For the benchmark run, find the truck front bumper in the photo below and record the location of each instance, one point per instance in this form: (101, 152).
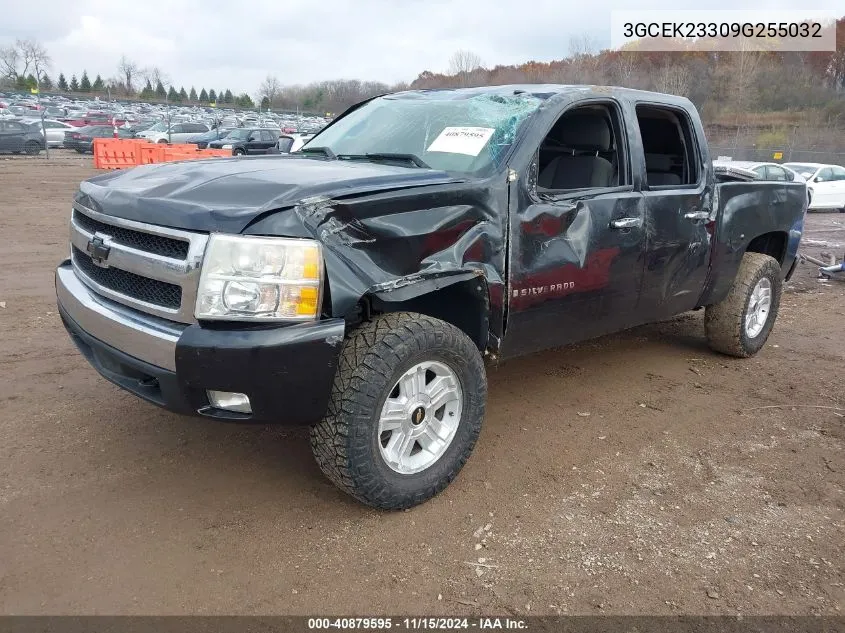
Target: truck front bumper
(287, 372)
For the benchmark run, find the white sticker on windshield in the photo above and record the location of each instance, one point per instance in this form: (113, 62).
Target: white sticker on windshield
(462, 140)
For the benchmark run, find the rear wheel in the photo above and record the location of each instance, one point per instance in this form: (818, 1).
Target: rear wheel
(405, 412)
(740, 324)
(32, 148)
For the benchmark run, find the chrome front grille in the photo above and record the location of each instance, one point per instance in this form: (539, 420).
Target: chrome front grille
(157, 244)
(151, 268)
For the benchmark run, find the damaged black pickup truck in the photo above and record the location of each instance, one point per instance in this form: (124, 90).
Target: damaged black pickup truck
(359, 285)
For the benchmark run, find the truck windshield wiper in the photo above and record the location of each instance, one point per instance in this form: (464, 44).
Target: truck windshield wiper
(325, 151)
(379, 156)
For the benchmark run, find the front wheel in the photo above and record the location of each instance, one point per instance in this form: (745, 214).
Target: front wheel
(740, 324)
(238, 152)
(405, 411)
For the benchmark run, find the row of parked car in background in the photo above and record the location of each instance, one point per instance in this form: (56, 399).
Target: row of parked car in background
(29, 124)
(825, 183)
(74, 124)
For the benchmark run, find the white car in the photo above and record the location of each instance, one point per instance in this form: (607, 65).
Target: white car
(763, 171)
(826, 184)
(55, 130)
(179, 132)
(290, 143)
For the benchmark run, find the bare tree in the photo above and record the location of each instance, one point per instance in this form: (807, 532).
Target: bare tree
(127, 70)
(34, 57)
(582, 45)
(270, 89)
(462, 63)
(624, 67)
(674, 79)
(10, 59)
(154, 75)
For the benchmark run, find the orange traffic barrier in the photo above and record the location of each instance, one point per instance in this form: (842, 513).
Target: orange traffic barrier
(122, 153)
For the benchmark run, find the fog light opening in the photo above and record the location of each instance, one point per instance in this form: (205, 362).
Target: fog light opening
(229, 401)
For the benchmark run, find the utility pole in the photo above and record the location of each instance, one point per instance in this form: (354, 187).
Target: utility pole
(167, 109)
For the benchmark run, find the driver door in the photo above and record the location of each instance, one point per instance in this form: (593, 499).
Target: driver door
(577, 235)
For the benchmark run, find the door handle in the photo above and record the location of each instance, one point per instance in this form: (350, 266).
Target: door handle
(697, 215)
(626, 223)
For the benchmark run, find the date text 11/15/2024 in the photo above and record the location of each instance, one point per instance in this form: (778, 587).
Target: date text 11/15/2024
(416, 624)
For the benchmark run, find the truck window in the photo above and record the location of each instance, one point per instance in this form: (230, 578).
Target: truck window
(669, 146)
(583, 150)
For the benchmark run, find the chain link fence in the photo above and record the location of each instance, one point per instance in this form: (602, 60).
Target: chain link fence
(779, 144)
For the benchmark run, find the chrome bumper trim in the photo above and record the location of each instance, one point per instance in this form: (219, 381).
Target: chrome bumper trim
(142, 336)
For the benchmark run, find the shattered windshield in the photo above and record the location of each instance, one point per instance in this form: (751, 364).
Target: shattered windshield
(469, 135)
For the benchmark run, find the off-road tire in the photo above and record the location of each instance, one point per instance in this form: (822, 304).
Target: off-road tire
(374, 356)
(724, 322)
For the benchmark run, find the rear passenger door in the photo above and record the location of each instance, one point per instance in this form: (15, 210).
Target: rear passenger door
(679, 204)
(253, 143)
(577, 233)
(268, 140)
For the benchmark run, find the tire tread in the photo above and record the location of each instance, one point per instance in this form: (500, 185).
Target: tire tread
(373, 351)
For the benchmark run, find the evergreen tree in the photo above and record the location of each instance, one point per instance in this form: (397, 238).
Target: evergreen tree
(212, 96)
(62, 83)
(193, 96)
(228, 97)
(244, 101)
(84, 83)
(183, 96)
(74, 84)
(147, 93)
(98, 85)
(172, 95)
(203, 96)
(161, 93)
(265, 103)
(31, 82)
(46, 82)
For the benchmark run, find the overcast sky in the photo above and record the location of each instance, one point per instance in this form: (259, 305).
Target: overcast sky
(216, 44)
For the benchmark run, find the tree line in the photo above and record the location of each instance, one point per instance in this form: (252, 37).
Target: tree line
(24, 66)
(725, 86)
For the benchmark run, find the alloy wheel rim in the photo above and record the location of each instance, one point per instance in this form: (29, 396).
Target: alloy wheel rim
(759, 306)
(420, 417)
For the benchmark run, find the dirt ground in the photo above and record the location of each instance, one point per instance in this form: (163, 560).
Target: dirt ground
(638, 473)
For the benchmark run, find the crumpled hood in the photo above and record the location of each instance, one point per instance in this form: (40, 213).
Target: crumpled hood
(226, 194)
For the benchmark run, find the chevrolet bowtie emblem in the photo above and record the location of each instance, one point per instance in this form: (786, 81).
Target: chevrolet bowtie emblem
(98, 250)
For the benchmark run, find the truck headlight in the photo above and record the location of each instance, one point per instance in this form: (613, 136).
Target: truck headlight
(260, 279)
